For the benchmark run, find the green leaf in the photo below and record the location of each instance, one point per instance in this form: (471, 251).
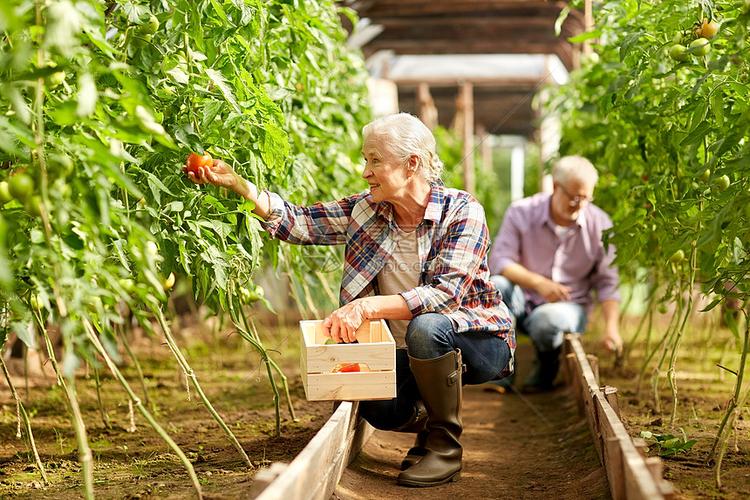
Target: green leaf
(25, 333)
(585, 36)
(218, 80)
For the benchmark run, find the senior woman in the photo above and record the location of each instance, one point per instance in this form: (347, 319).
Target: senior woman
(416, 256)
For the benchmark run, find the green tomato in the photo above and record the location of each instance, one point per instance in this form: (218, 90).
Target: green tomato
(34, 206)
(678, 52)
(722, 183)
(677, 257)
(700, 46)
(21, 186)
(150, 26)
(55, 79)
(662, 309)
(61, 164)
(127, 284)
(706, 175)
(5, 195)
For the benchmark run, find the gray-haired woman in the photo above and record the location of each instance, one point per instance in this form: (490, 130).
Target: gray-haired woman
(416, 256)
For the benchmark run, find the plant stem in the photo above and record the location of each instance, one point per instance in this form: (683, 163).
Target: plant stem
(190, 374)
(26, 421)
(84, 452)
(137, 364)
(737, 401)
(284, 379)
(139, 405)
(646, 317)
(102, 410)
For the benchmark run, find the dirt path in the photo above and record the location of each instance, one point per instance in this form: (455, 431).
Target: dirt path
(514, 447)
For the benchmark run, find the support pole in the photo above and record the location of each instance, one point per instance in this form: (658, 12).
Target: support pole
(517, 167)
(428, 112)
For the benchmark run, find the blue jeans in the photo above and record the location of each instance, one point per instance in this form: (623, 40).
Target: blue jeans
(546, 323)
(430, 336)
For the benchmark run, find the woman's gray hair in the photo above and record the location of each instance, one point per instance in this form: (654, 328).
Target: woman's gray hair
(405, 135)
(579, 168)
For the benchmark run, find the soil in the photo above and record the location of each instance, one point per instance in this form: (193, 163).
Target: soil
(515, 446)
(139, 464)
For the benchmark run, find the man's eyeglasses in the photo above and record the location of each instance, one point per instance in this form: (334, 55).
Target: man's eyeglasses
(575, 200)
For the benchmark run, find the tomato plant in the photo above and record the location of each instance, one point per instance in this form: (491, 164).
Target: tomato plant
(687, 126)
(103, 103)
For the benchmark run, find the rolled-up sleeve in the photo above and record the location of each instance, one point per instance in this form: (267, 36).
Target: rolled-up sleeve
(506, 249)
(461, 253)
(318, 224)
(606, 279)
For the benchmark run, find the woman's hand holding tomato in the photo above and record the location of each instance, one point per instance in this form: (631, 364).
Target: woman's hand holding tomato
(342, 324)
(202, 169)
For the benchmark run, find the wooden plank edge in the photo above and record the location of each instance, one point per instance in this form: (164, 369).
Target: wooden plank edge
(634, 475)
(316, 470)
(630, 474)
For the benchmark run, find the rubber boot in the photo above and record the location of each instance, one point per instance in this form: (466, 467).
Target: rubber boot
(500, 386)
(415, 424)
(439, 382)
(542, 379)
(416, 452)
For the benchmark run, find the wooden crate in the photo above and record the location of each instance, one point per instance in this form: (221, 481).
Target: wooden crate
(375, 348)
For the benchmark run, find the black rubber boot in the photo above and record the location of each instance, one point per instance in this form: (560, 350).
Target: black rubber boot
(416, 452)
(542, 379)
(415, 424)
(501, 386)
(439, 382)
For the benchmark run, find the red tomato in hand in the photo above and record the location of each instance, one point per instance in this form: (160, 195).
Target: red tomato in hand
(195, 161)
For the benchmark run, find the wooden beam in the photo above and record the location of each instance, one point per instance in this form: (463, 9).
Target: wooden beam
(462, 46)
(485, 149)
(453, 7)
(588, 24)
(427, 111)
(476, 24)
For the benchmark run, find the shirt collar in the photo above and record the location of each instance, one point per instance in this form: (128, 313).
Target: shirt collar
(435, 206)
(433, 212)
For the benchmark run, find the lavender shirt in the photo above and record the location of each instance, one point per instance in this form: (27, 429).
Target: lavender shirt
(578, 260)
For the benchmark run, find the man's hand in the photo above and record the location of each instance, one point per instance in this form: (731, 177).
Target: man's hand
(612, 340)
(552, 291)
(342, 324)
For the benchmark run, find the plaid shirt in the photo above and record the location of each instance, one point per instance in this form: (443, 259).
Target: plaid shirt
(453, 241)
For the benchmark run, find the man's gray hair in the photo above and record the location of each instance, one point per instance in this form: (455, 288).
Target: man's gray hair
(405, 135)
(578, 168)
